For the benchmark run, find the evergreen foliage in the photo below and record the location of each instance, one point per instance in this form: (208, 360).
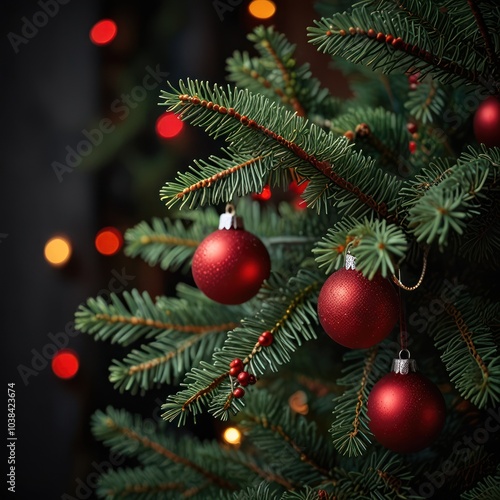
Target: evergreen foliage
(429, 217)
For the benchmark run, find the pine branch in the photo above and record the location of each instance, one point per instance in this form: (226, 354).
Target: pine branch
(197, 463)
(165, 360)
(489, 487)
(427, 101)
(468, 351)
(350, 432)
(447, 202)
(376, 245)
(239, 116)
(380, 40)
(483, 29)
(377, 132)
(287, 439)
(140, 483)
(384, 476)
(287, 312)
(277, 47)
(135, 316)
(170, 244)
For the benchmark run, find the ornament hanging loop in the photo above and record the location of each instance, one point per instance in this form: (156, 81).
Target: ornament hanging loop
(398, 282)
(350, 260)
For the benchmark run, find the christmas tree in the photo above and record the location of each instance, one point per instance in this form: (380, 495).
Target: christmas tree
(384, 246)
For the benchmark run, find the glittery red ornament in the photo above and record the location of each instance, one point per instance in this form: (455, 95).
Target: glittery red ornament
(230, 264)
(357, 312)
(406, 410)
(487, 122)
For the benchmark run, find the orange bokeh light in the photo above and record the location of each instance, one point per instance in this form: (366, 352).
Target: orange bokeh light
(103, 32)
(108, 241)
(262, 9)
(65, 364)
(168, 125)
(57, 251)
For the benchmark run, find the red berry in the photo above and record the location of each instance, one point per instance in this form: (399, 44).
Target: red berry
(235, 370)
(413, 146)
(238, 392)
(414, 78)
(412, 127)
(244, 378)
(266, 339)
(236, 362)
(251, 379)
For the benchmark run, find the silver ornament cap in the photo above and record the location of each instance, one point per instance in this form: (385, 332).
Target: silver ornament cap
(229, 220)
(403, 366)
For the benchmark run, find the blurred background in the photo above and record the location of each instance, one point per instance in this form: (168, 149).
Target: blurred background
(85, 150)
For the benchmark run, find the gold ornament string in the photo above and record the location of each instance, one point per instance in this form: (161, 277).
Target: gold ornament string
(398, 282)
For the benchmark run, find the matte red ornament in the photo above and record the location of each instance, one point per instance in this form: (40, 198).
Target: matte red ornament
(487, 122)
(406, 411)
(357, 312)
(230, 264)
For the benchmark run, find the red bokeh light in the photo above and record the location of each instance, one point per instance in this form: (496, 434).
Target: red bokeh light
(103, 32)
(108, 241)
(264, 195)
(168, 125)
(65, 364)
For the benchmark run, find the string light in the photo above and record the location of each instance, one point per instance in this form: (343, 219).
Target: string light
(262, 9)
(65, 364)
(108, 241)
(168, 125)
(232, 435)
(57, 251)
(103, 32)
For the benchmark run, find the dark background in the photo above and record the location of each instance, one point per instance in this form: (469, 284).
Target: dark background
(52, 88)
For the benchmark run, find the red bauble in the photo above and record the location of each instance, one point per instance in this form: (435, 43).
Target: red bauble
(230, 265)
(487, 122)
(357, 312)
(406, 412)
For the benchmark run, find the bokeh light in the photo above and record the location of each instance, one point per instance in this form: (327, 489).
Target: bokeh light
(264, 195)
(108, 241)
(57, 251)
(262, 9)
(168, 125)
(103, 32)
(232, 435)
(65, 364)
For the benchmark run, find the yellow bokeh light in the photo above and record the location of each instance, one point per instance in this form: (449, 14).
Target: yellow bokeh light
(232, 435)
(57, 251)
(262, 9)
